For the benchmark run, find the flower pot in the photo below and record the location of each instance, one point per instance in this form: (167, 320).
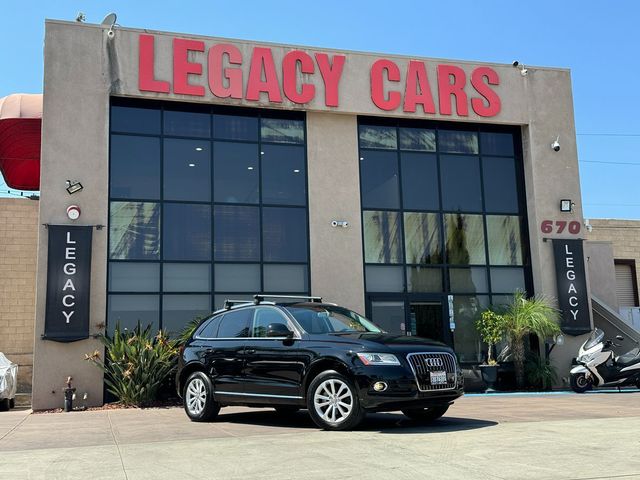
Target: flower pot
(489, 376)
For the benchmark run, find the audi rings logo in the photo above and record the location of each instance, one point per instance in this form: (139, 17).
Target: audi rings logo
(434, 362)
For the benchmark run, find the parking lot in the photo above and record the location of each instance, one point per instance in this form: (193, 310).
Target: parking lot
(502, 436)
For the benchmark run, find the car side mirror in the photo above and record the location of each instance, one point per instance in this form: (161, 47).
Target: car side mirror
(279, 330)
(619, 337)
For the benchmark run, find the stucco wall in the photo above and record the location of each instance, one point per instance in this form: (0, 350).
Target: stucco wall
(18, 248)
(83, 68)
(624, 236)
(601, 270)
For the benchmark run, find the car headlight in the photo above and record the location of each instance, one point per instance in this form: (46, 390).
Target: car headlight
(378, 359)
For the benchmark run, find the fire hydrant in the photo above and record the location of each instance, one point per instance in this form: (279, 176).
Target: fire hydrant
(69, 395)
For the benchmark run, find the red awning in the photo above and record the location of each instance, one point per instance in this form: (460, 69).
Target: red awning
(20, 139)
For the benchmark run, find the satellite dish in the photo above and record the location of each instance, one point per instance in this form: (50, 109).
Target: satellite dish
(109, 20)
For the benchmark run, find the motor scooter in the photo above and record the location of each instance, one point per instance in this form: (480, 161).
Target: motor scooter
(599, 366)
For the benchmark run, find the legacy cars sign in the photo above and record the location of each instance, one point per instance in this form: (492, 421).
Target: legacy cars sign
(390, 88)
(572, 286)
(68, 274)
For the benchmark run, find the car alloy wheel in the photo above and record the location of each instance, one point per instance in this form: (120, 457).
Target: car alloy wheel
(333, 402)
(199, 403)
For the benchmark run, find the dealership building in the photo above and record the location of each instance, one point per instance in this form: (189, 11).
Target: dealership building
(178, 170)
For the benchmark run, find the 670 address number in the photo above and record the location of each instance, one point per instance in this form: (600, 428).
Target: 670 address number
(548, 226)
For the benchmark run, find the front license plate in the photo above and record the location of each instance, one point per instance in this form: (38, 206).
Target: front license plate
(438, 378)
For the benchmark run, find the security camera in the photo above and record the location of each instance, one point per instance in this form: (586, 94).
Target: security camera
(515, 63)
(334, 223)
(556, 145)
(345, 224)
(111, 33)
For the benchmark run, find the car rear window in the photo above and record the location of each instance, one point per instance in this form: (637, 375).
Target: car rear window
(210, 328)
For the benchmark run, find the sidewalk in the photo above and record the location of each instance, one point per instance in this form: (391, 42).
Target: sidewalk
(551, 436)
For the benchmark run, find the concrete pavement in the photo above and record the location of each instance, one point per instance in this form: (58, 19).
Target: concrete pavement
(487, 437)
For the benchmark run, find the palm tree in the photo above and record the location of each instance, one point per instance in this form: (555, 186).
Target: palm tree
(525, 316)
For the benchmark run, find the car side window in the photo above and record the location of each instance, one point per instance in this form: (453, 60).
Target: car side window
(235, 324)
(263, 317)
(210, 328)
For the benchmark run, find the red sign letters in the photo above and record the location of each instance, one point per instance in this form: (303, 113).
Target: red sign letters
(388, 91)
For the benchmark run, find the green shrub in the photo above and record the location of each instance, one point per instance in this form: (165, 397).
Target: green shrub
(490, 326)
(540, 372)
(136, 363)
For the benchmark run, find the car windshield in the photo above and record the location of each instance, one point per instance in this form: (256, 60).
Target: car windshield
(596, 337)
(330, 319)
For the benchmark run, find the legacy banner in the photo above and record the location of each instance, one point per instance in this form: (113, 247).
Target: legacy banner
(572, 286)
(68, 276)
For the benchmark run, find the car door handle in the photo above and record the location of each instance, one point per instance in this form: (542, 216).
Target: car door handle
(250, 351)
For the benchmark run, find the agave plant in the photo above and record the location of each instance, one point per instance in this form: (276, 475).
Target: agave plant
(136, 363)
(526, 316)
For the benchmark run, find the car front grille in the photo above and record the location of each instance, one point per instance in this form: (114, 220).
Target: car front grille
(423, 364)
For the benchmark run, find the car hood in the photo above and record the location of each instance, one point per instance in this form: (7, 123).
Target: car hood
(396, 343)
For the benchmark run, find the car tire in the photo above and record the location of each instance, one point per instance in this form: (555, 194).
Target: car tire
(426, 414)
(333, 402)
(199, 403)
(12, 403)
(4, 405)
(286, 410)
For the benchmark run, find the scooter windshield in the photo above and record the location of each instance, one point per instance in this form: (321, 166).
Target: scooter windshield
(596, 337)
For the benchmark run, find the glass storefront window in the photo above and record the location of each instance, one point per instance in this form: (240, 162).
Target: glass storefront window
(186, 277)
(460, 183)
(283, 175)
(127, 311)
(379, 179)
(468, 280)
(236, 172)
(187, 170)
(504, 240)
(279, 130)
(464, 239)
(467, 341)
(424, 280)
(372, 136)
(187, 124)
(507, 279)
(384, 279)
(236, 233)
(284, 234)
(206, 203)
(493, 143)
(135, 167)
(382, 237)
(422, 238)
(420, 189)
(418, 139)
(186, 232)
(500, 185)
(453, 141)
(134, 231)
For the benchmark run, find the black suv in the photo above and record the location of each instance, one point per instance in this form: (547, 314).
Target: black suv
(308, 354)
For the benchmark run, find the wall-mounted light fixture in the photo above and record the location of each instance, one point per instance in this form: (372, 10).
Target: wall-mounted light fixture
(73, 187)
(566, 205)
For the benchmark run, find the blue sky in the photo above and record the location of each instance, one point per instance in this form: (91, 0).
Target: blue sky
(598, 44)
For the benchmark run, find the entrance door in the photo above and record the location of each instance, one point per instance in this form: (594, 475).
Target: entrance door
(422, 316)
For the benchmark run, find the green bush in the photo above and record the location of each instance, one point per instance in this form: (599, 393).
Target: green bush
(136, 363)
(540, 372)
(490, 326)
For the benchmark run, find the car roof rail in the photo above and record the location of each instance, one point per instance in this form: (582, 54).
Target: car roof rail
(228, 303)
(259, 298)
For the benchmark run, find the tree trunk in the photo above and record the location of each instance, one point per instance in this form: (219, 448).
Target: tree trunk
(518, 360)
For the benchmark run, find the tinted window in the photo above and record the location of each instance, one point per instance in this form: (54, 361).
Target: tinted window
(451, 141)
(236, 172)
(417, 139)
(372, 136)
(420, 181)
(284, 233)
(283, 175)
(282, 130)
(134, 277)
(422, 242)
(379, 179)
(237, 233)
(179, 310)
(187, 170)
(237, 277)
(496, 143)
(126, 311)
(263, 318)
(135, 167)
(134, 231)
(186, 232)
(500, 184)
(382, 237)
(460, 176)
(209, 328)
(135, 120)
(187, 124)
(186, 277)
(235, 323)
(464, 239)
(235, 127)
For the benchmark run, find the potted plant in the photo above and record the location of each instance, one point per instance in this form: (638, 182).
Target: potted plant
(490, 326)
(524, 317)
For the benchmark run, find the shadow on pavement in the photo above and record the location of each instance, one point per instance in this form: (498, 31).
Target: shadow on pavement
(382, 422)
